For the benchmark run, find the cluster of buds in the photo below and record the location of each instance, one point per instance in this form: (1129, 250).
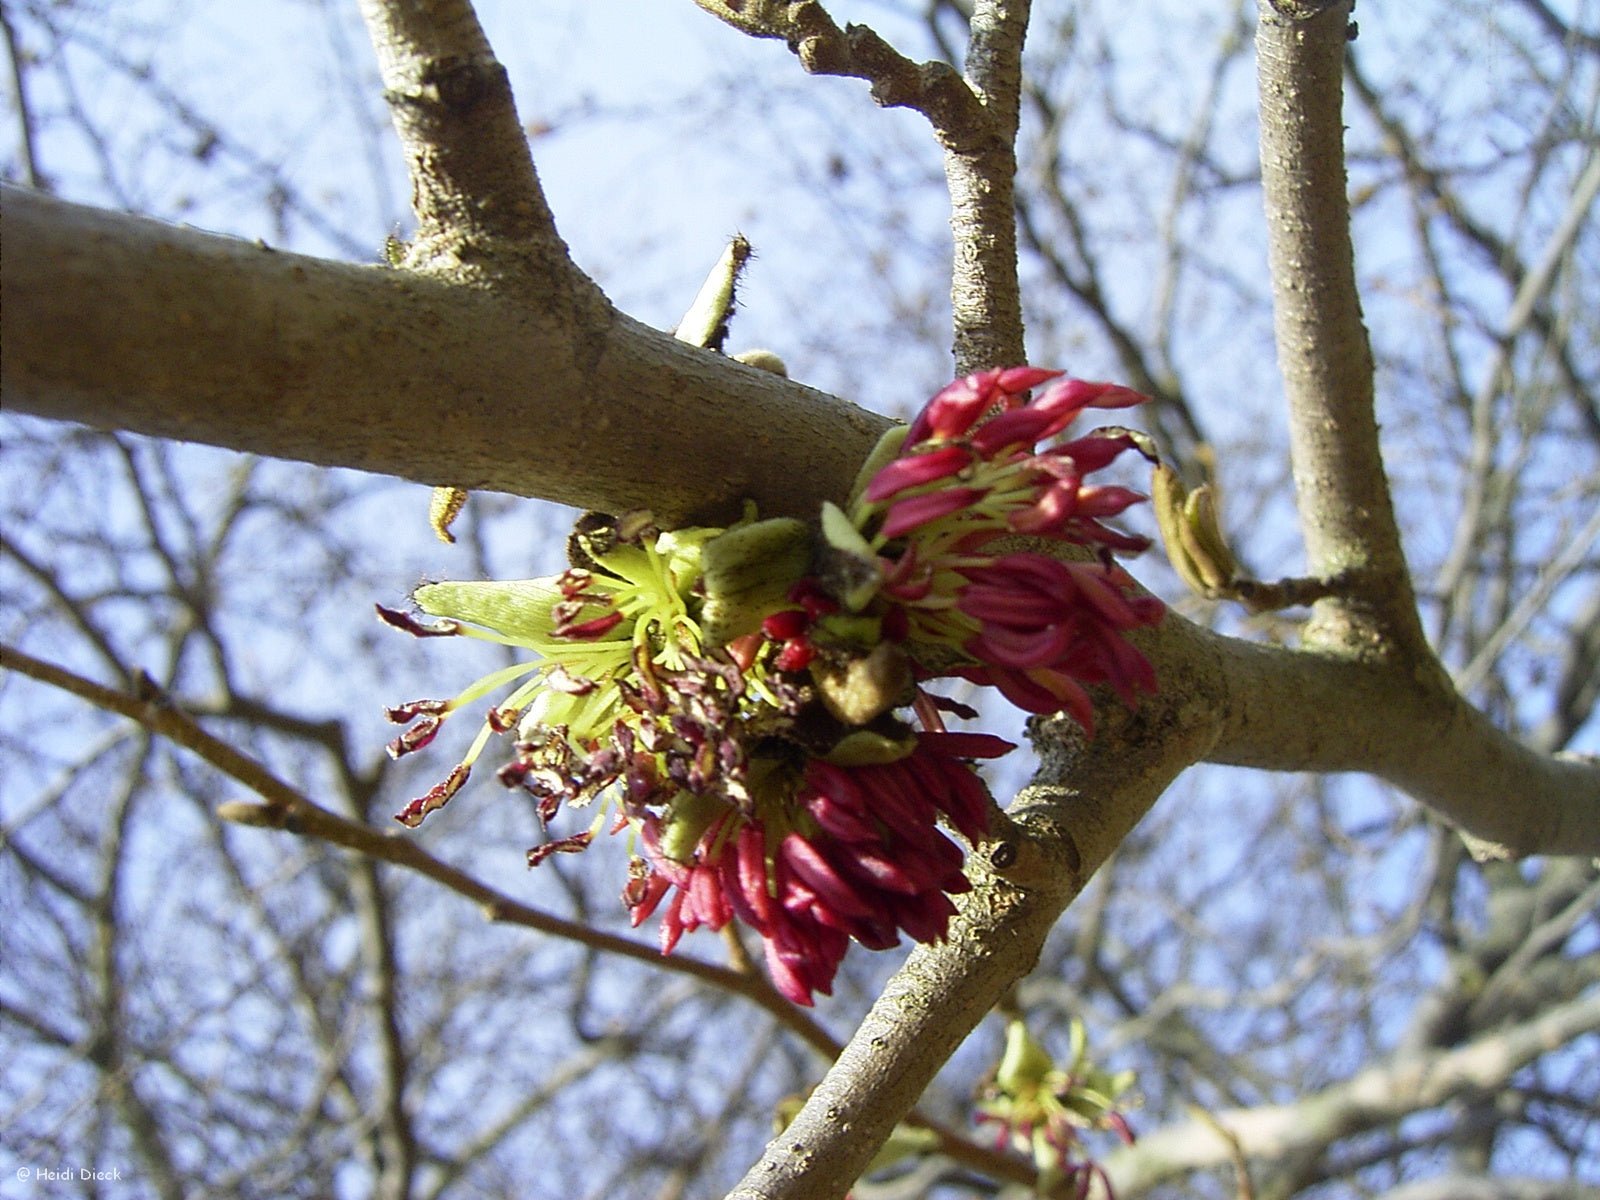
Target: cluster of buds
(730, 696)
(1042, 1110)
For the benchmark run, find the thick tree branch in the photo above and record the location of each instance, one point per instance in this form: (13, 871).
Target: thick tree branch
(121, 322)
(1279, 706)
(1374, 1097)
(1345, 507)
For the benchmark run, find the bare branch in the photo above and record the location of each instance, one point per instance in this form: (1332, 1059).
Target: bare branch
(1086, 801)
(26, 126)
(472, 175)
(1345, 507)
(120, 322)
(1425, 739)
(1374, 1097)
(932, 88)
(1501, 1187)
(975, 120)
(289, 810)
(1571, 35)
(985, 295)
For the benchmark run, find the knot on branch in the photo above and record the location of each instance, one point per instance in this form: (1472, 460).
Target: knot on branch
(1035, 854)
(461, 84)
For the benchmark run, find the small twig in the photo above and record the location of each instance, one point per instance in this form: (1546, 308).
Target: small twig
(27, 125)
(1260, 595)
(935, 89)
(1241, 1167)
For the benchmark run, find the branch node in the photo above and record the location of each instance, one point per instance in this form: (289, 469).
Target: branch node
(257, 815)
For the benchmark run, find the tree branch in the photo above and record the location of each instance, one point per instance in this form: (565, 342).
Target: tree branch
(985, 294)
(1374, 1097)
(287, 809)
(1086, 800)
(1345, 507)
(1501, 1187)
(933, 89)
(1279, 706)
(473, 183)
(122, 322)
(975, 120)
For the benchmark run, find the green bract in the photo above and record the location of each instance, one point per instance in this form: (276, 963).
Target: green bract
(517, 609)
(747, 574)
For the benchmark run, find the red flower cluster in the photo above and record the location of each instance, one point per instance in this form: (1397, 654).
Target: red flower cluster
(862, 857)
(1035, 627)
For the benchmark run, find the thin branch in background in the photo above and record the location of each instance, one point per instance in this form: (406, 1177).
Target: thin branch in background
(289, 810)
(1370, 1099)
(1567, 34)
(1526, 303)
(1533, 602)
(27, 131)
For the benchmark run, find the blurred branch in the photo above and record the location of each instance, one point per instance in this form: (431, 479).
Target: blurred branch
(1345, 506)
(1437, 199)
(1502, 1187)
(1533, 602)
(74, 609)
(287, 809)
(1568, 35)
(27, 134)
(1372, 1098)
(1525, 308)
(394, 1132)
(1575, 667)
(272, 174)
(552, 1082)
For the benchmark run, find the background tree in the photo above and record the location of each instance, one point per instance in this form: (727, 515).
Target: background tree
(1321, 989)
